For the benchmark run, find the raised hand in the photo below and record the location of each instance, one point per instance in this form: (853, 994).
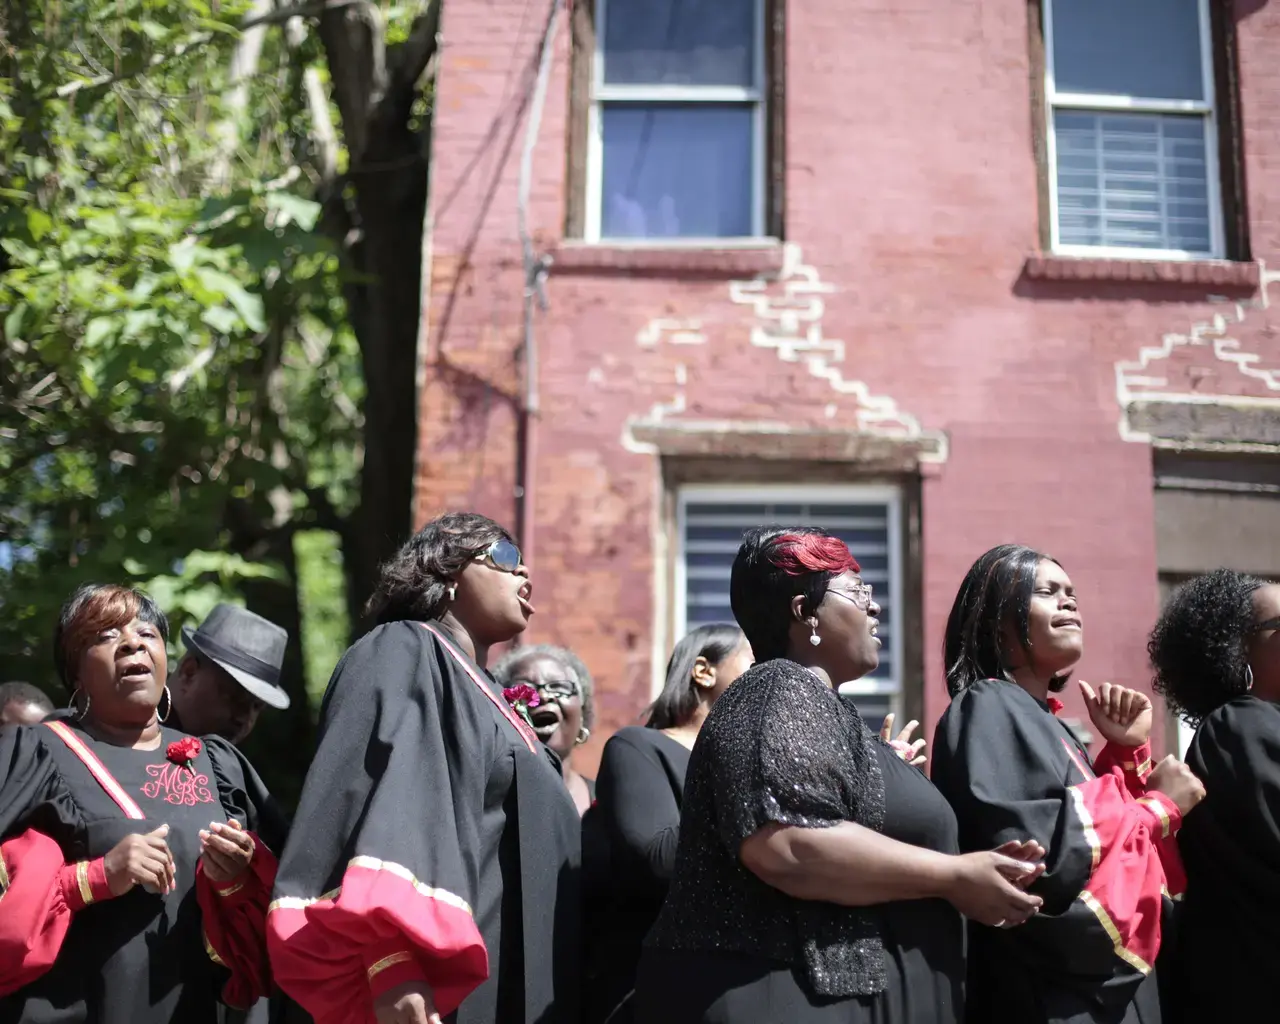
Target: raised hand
(912, 753)
(1123, 716)
(225, 850)
(142, 860)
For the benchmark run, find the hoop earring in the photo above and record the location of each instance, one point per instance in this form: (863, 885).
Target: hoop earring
(584, 734)
(168, 708)
(814, 638)
(87, 701)
(1248, 677)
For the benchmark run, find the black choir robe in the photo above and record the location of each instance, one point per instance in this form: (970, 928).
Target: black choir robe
(70, 952)
(1229, 933)
(1011, 770)
(435, 841)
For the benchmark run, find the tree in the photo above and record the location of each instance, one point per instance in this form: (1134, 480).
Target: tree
(200, 279)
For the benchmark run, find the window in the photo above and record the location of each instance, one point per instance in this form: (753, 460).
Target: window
(1132, 133)
(711, 521)
(676, 133)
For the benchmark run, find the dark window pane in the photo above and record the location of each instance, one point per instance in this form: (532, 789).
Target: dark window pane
(679, 42)
(1147, 48)
(677, 171)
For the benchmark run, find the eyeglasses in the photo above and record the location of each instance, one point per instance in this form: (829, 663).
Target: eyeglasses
(860, 595)
(502, 555)
(557, 688)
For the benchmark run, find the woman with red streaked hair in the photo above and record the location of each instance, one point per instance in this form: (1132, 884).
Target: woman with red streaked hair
(170, 834)
(816, 876)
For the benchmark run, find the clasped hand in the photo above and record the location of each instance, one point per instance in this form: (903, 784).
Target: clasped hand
(225, 850)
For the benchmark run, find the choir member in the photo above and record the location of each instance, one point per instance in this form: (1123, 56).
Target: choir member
(565, 710)
(1216, 653)
(816, 875)
(629, 837)
(1011, 768)
(135, 861)
(431, 869)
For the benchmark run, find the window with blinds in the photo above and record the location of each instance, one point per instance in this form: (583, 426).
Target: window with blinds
(1132, 137)
(711, 524)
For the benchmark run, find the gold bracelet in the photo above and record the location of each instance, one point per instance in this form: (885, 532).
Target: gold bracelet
(82, 879)
(389, 961)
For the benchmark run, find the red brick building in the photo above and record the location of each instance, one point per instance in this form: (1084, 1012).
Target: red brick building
(939, 275)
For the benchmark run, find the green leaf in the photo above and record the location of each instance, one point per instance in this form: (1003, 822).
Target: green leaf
(249, 306)
(97, 329)
(290, 208)
(221, 319)
(39, 223)
(13, 322)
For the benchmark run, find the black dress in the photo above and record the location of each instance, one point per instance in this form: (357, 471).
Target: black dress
(435, 841)
(1229, 933)
(780, 746)
(637, 817)
(1012, 770)
(139, 958)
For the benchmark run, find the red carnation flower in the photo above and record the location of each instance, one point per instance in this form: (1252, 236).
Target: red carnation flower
(182, 752)
(522, 697)
(522, 693)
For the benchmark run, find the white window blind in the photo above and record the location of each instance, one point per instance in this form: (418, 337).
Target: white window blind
(677, 120)
(1132, 137)
(712, 521)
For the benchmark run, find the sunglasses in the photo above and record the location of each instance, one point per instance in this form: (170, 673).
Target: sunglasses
(1261, 627)
(502, 555)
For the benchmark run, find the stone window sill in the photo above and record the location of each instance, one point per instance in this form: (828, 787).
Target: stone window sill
(1223, 274)
(710, 260)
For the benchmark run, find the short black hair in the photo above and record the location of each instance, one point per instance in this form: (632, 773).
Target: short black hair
(760, 591)
(24, 693)
(91, 609)
(414, 582)
(679, 696)
(505, 669)
(996, 590)
(1199, 645)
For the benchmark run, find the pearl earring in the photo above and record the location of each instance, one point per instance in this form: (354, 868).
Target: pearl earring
(814, 638)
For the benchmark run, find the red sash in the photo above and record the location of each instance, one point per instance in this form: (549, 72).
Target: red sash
(98, 770)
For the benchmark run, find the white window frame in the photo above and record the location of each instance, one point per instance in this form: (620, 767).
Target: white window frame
(1055, 101)
(692, 94)
(772, 494)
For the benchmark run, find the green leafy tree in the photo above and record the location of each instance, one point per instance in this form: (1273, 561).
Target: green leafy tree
(203, 271)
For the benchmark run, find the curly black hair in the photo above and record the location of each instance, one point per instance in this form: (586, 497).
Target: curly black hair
(1199, 646)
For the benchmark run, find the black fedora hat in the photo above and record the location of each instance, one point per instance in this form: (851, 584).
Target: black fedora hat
(248, 647)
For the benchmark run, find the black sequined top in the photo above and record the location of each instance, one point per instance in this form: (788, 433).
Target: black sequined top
(779, 746)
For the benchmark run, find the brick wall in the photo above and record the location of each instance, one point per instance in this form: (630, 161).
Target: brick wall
(911, 196)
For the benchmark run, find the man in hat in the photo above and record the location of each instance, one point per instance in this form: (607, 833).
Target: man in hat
(230, 672)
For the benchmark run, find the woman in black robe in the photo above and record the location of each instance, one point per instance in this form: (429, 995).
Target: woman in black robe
(136, 863)
(1009, 767)
(1216, 653)
(431, 869)
(816, 875)
(630, 834)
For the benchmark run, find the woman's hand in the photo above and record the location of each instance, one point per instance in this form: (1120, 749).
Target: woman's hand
(411, 1003)
(1178, 782)
(1123, 716)
(225, 851)
(981, 888)
(912, 753)
(142, 860)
